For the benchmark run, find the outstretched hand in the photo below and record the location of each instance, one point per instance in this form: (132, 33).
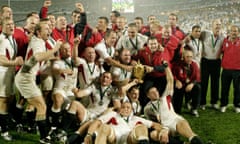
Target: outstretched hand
(80, 7)
(47, 3)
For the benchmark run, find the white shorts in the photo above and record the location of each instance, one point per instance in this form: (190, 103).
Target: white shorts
(88, 116)
(64, 93)
(6, 83)
(172, 123)
(26, 84)
(46, 83)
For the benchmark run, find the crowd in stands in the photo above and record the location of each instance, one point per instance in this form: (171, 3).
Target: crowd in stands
(118, 82)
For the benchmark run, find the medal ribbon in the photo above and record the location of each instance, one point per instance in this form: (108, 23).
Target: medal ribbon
(214, 43)
(91, 70)
(69, 64)
(102, 93)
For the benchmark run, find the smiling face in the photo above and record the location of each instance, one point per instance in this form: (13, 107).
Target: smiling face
(65, 50)
(31, 23)
(196, 32)
(153, 44)
(125, 56)
(61, 23)
(43, 31)
(90, 54)
(216, 26)
(166, 31)
(234, 31)
(132, 31)
(102, 24)
(106, 79)
(121, 22)
(133, 94)
(8, 26)
(126, 109)
(110, 38)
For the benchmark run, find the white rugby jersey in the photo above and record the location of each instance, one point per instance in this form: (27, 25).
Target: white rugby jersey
(123, 125)
(103, 51)
(87, 72)
(98, 104)
(65, 81)
(36, 45)
(8, 49)
(120, 73)
(161, 109)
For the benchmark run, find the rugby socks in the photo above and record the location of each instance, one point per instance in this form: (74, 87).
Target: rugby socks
(4, 121)
(42, 128)
(195, 140)
(67, 120)
(18, 114)
(143, 141)
(31, 118)
(74, 138)
(55, 117)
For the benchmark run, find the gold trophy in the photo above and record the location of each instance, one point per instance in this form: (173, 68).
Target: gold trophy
(138, 72)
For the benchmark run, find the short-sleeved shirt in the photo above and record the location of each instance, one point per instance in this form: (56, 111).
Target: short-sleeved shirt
(35, 46)
(26, 77)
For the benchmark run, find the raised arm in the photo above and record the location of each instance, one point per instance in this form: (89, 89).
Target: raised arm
(75, 49)
(125, 88)
(170, 80)
(44, 10)
(79, 27)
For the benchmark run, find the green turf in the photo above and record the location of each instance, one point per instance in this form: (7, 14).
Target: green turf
(212, 126)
